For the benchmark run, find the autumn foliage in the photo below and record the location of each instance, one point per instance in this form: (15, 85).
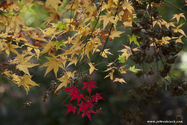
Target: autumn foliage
(91, 25)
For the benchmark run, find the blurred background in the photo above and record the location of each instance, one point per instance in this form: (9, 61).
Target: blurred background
(116, 96)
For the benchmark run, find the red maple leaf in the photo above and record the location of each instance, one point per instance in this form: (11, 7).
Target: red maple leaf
(87, 112)
(84, 106)
(73, 90)
(70, 108)
(75, 93)
(78, 97)
(96, 97)
(88, 85)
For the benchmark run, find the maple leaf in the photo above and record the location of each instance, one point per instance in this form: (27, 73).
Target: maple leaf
(177, 16)
(165, 40)
(110, 69)
(110, 74)
(64, 79)
(92, 68)
(134, 39)
(122, 70)
(88, 85)
(108, 5)
(163, 22)
(78, 97)
(73, 90)
(53, 3)
(87, 112)
(75, 93)
(127, 5)
(85, 106)
(121, 80)
(179, 39)
(132, 69)
(58, 44)
(106, 19)
(127, 51)
(177, 29)
(126, 15)
(115, 33)
(96, 97)
(10, 47)
(104, 53)
(54, 64)
(24, 65)
(70, 108)
(25, 81)
(121, 59)
(74, 61)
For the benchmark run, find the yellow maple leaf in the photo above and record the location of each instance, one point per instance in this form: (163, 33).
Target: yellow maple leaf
(106, 19)
(110, 68)
(53, 3)
(110, 74)
(132, 69)
(64, 79)
(163, 22)
(122, 70)
(92, 68)
(104, 53)
(8, 73)
(115, 33)
(10, 47)
(108, 5)
(31, 47)
(54, 64)
(71, 74)
(165, 39)
(179, 39)
(74, 61)
(127, 5)
(121, 80)
(48, 32)
(177, 29)
(25, 81)
(177, 16)
(126, 52)
(48, 47)
(24, 65)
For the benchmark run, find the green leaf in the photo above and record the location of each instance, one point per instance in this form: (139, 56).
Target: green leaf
(62, 25)
(132, 69)
(58, 44)
(134, 39)
(121, 59)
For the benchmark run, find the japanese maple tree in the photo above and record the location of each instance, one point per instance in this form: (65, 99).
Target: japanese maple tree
(89, 28)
